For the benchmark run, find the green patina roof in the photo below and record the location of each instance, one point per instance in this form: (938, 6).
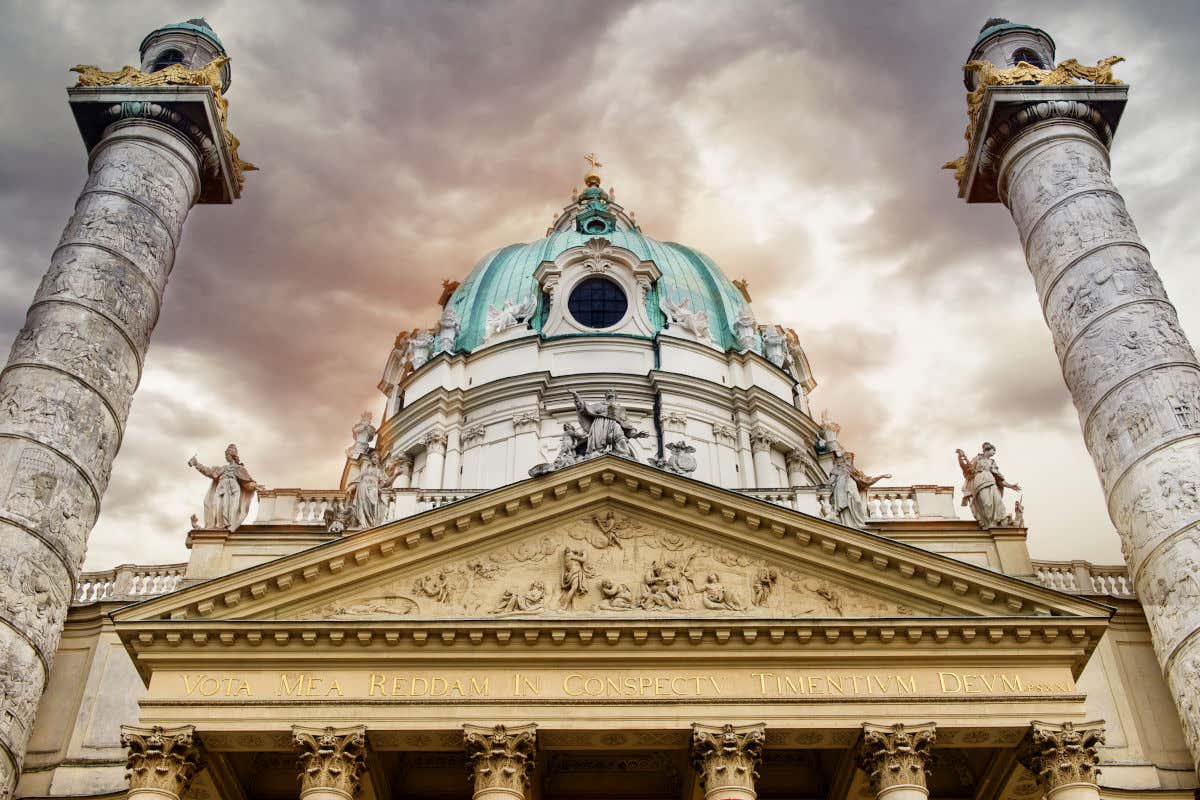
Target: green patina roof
(198, 25)
(686, 273)
(997, 25)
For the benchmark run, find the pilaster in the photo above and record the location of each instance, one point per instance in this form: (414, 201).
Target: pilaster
(1064, 758)
(501, 759)
(726, 759)
(161, 761)
(331, 761)
(897, 759)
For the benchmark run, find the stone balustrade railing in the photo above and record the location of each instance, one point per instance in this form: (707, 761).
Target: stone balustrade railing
(128, 582)
(883, 503)
(1082, 577)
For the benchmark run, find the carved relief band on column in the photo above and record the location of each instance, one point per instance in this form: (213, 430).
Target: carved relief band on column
(1063, 756)
(160, 761)
(331, 760)
(726, 759)
(897, 759)
(500, 759)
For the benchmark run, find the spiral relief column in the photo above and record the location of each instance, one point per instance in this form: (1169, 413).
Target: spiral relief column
(1134, 378)
(65, 393)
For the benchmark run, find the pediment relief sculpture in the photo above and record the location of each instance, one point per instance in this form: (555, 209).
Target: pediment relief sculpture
(608, 563)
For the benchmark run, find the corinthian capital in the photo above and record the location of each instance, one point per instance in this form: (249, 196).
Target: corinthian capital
(500, 758)
(160, 759)
(727, 758)
(330, 758)
(1060, 755)
(896, 755)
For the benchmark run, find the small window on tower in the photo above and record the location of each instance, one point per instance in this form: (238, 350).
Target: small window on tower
(1029, 57)
(166, 58)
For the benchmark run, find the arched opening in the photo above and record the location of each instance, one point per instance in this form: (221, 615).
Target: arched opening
(166, 58)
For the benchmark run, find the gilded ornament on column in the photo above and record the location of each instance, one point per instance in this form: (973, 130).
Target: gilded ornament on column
(158, 758)
(897, 755)
(1062, 754)
(500, 757)
(330, 758)
(727, 757)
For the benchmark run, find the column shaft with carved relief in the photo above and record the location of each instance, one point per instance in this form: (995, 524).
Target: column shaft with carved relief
(331, 761)
(500, 760)
(1044, 152)
(1064, 758)
(160, 761)
(726, 759)
(897, 759)
(66, 390)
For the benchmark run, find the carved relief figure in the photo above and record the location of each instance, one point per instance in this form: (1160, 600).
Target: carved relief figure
(606, 426)
(228, 498)
(716, 597)
(764, 583)
(614, 596)
(510, 316)
(570, 444)
(775, 346)
(694, 322)
(513, 602)
(847, 484)
(448, 328)
(575, 572)
(983, 487)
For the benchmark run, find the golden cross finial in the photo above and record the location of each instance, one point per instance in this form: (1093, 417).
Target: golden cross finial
(594, 160)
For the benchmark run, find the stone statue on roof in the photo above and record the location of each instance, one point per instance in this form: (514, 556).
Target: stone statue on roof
(606, 426)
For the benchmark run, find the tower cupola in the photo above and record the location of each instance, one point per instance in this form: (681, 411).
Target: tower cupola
(1006, 43)
(192, 43)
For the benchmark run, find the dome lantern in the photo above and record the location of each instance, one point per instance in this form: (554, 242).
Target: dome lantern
(1005, 44)
(192, 43)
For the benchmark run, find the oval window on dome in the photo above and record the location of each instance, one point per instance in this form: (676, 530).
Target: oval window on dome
(597, 303)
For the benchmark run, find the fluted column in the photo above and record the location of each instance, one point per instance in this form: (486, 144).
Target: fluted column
(331, 760)
(160, 761)
(1064, 758)
(897, 759)
(726, 758)
(501, 760)
(1132, 373)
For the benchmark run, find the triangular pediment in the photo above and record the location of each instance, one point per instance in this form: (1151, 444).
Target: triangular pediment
(613, 540)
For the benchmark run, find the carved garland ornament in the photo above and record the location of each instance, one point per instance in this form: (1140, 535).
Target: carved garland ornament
(1062, 755)
(896, 755)
(500, 757)
(330, 758)
(727, 757)
(160, 758)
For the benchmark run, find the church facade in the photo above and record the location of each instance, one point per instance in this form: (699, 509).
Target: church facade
(596, 545)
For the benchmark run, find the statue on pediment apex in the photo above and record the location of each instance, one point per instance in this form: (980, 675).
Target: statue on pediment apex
(606, 426)
(228, 499)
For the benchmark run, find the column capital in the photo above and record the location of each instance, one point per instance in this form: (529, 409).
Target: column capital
(160, 760)
(726, 758)
(1062, 754)
(500, 758)
(897, 756)
(331, 760)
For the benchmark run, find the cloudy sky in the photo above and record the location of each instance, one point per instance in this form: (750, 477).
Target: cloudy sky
(798, 144)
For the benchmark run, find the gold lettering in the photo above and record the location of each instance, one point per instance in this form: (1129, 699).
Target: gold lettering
(243, 690)
(375, 676)
(910, 687)
(883, 687)
(716, 686)
(969, 684)
(676, 690)
(286, 688)
(990, 686)
(645, 682)
(480, 689)
(946, 687)
(593, 686)
(834, 684)
(762, 680)
(396, 683)
(314, 686)
(855, 679)
(812, 684)
(795, 687)
(434, 684)
(566, 685)
(188, 686)
(334, 686)
(424, 684)
(1014, 685)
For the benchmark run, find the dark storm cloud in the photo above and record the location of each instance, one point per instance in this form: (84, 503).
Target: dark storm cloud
(796, 144)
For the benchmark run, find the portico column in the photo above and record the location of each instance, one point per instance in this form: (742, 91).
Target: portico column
(65, 392)
(1063, 758)
(160, 762)
(331, 760)
(897, 759)
(765, 475)
(501, 760)
(726, 758)
(435, 459)
(1131, 371)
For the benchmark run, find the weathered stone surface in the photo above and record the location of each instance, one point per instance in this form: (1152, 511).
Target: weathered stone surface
(47, 497)
(35, 589)
(22, 677)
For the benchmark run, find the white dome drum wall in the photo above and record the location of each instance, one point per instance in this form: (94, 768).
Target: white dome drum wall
(477, 400)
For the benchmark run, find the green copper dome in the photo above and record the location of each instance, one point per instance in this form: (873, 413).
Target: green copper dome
(197, 25)
(686, 274)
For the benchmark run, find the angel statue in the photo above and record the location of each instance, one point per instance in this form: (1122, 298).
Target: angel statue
(510, 316)
(681, 314)
(365, 492)
(606, 426)
(228, 499)
(983, 487)
(848, 483)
